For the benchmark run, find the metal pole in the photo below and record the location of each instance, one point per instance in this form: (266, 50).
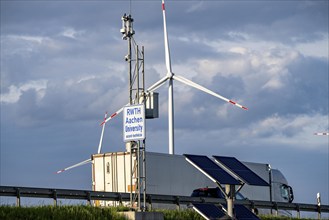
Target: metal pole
(55, 197)
(18, 198)
(138, 143)
(298, 212)
(128, 32)
(143, 149)
(143, 72)
(137, 76)
(144, 177)
(138, 177)
(131, 176)
(270, 182)
(318, 201)
(129, 62)
(229, 190)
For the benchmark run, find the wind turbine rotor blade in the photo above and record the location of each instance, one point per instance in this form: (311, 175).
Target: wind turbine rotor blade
(102, 134)
(321, 133)
(197, 86)
(75, 165)
(151, 89)
(167, 51)
(157, 84)
(112, 116)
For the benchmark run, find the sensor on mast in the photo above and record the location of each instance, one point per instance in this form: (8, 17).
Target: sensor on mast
(127, 27)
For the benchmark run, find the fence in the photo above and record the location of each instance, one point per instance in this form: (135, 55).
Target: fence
(89, 196)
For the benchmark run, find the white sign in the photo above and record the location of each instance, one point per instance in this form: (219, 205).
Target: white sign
(133, 123)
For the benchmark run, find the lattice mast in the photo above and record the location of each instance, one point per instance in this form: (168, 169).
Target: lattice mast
(136, 96)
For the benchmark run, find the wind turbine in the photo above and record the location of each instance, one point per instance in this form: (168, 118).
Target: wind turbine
(98, 151)
(170, 77)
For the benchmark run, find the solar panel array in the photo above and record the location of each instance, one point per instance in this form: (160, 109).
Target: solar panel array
(241, 170)
(211, 211)
(217, 173)
(212, 169)
(243, 213)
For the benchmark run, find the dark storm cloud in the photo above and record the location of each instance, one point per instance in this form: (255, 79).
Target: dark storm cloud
(47, 16)
(62, 67)
(287, 21)
(307, 78)
(305, 90)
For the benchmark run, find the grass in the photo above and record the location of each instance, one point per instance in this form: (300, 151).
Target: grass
(269, 217)
(57, 213)
(82, 212)
(186, 214)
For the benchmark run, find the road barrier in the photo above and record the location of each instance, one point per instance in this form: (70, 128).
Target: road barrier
(89, 196)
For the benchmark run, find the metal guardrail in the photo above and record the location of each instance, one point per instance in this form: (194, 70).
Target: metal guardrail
(55, 194)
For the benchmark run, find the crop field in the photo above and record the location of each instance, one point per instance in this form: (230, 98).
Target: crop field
(81, 212)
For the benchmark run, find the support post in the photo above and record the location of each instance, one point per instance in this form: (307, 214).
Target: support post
(319, 212)
(230, 194)
(276, 213)
(298, 211)
(138, 182)
(18, 198)
(318, 201)
(177, 202)
(55, 197)
(88, 199)
(149, 200)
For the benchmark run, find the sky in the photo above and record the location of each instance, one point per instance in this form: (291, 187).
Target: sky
(63, 67)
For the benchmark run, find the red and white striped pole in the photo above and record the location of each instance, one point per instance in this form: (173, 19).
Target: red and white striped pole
(321, 133)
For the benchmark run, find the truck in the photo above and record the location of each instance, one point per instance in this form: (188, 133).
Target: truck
(168, 174)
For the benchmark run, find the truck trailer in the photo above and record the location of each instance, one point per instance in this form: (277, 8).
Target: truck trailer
(168, 174)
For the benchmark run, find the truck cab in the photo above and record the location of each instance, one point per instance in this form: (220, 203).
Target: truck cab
(281, 191)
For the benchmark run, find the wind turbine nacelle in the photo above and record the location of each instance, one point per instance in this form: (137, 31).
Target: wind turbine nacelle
(151, 105)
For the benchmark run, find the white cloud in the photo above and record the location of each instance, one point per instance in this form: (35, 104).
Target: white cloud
(236, 35)
(273, 83)
(15, 92)
(265, 68)
(239, 50)
(289, 130)
(86, 78)
(26, 44)
(195, 7)
(319, 48)
(207, 69)
(70, 32)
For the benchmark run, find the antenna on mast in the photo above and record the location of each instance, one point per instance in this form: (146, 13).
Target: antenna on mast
(130, 3)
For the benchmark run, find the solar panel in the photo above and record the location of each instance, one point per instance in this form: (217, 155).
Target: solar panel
(210, 211)
(211, 169)
(243, 213)
(247, 175)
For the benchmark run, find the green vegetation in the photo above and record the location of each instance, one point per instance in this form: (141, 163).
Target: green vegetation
(81, 212)
(269, 217)
(58, 213)
(186, 214)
